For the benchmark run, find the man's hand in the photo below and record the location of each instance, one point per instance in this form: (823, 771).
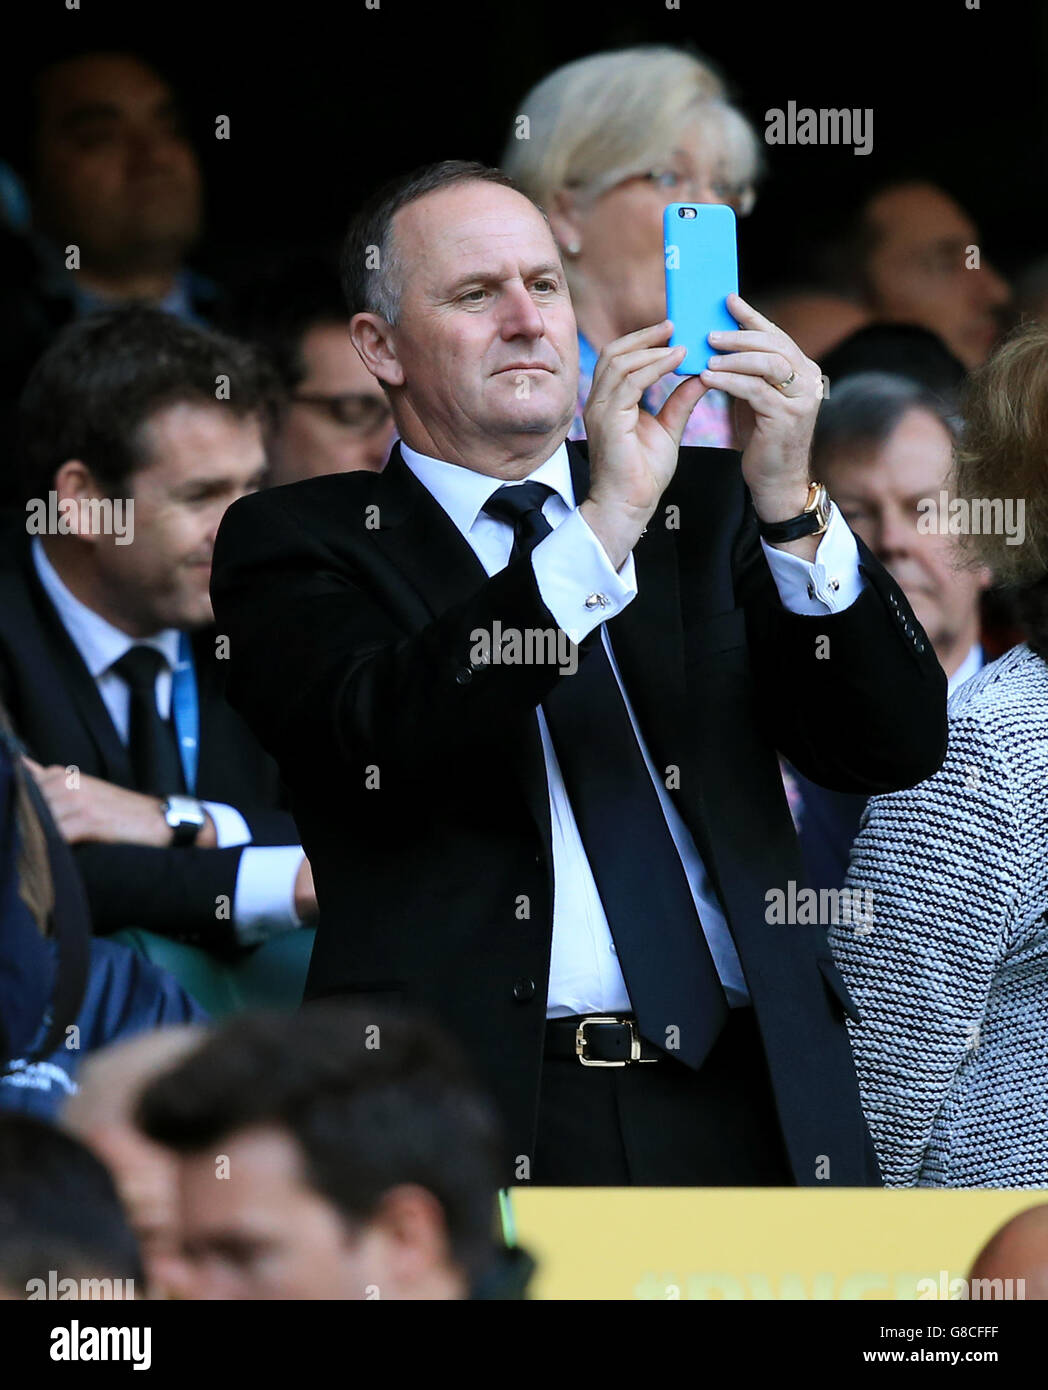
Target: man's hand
(96, 810)
(633, 454)
(774, 427)
(305, 894)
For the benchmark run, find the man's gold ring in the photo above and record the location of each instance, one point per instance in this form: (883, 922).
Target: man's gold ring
(788, 382)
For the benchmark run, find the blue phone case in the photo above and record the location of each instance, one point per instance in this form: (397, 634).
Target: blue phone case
(702, 269)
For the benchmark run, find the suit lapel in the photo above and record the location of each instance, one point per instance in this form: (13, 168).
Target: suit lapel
(431, 554)
(75, 679)
(429, 551)
(420, 539)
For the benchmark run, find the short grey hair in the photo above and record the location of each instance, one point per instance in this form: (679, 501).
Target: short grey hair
(865, 409)
(372, 274)
(604, 118)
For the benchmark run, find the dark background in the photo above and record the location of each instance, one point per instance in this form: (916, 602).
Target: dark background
(325, 101)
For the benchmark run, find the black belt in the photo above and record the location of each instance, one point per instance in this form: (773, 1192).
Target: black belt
(596, 1040)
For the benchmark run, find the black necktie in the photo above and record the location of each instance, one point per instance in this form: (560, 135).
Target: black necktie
(151, 740)
(666, 962)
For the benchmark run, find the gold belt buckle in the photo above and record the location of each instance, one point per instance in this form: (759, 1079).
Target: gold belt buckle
(635, 1041)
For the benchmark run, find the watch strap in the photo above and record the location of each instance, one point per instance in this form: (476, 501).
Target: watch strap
(811, 522)
(186, 817)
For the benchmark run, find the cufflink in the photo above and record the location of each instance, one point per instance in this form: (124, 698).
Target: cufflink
(597, 601)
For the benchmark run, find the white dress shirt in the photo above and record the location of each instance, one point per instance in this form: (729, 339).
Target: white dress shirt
(569, 565)
(264, 899)
(972, 663)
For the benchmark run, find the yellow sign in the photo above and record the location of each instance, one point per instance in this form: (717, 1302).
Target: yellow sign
(766, 1243)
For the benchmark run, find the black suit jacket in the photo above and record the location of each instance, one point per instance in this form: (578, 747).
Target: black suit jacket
(417, 779)
(829, 826)
(55, 707)
(829, 823)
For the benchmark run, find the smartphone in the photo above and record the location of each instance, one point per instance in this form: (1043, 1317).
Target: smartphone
(702, 269)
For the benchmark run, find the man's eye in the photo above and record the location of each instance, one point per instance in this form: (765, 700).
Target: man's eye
(945, 261)
(469, 296)
(547, 286)
(96, 139)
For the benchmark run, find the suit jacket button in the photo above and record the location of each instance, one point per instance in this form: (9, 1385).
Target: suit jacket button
(523, 989)
(464, 676)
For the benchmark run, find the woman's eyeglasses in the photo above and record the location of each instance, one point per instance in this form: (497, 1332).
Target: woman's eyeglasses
(676, 186)
(689, 188)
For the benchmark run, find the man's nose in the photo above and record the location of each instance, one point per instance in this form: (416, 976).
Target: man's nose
(520, 315)
(894, 534)
(993, 290)
(170, 1276)
(214, 519)
(215, 1282)
(148, 150)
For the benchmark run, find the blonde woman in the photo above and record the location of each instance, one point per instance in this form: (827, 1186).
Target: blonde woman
(603, 144)
(952, 980)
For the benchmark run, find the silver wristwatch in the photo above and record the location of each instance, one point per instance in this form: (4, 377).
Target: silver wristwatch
(186, 817)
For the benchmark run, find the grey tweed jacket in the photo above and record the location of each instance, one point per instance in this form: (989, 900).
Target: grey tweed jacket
(951, 982)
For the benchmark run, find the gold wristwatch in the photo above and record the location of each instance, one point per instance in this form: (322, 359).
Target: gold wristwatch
(811, 522)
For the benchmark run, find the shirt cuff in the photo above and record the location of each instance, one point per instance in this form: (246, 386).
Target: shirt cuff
(264, 900)
(231, 829)
(830, 583)
(576, 580)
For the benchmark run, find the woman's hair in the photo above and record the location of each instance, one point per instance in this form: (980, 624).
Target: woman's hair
(1003, 454)
(614, 114)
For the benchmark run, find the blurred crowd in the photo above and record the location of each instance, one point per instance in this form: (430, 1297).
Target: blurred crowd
(157, 911)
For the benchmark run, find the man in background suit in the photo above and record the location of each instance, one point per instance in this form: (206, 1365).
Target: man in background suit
(526, 696)
(884, 445)
(113, 195)
(137, 431)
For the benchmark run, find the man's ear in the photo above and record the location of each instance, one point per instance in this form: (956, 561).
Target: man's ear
(415, 1228)
(375, 342)
(75, 481)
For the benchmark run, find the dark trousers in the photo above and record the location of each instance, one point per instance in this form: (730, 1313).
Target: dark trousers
(663, 1124)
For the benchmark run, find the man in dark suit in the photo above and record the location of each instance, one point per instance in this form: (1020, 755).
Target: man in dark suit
(527, 695)
(109, 665)
(884, 445)
(114, 196)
